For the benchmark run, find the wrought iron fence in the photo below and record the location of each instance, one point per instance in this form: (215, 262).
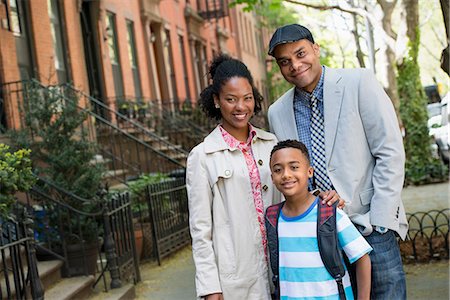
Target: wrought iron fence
(92, 239)
(19, 278)
(428, 236)
(164, 218)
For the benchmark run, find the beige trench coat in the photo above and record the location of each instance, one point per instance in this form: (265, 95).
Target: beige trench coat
(226, 237)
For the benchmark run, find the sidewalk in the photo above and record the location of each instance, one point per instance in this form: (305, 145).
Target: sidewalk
(174, 279)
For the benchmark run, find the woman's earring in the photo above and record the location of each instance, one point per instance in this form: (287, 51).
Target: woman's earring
(217, 105)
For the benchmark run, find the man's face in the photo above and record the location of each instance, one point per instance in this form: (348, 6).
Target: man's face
(299, 63)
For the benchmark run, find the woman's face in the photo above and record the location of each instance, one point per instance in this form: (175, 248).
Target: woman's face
(237, 105)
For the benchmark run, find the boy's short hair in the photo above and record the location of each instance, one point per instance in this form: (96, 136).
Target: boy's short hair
(291, 144)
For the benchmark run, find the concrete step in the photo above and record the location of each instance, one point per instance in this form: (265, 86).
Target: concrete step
(126, 292)
(49, 273)
(99, 159)
(79, 287)
(114, 173)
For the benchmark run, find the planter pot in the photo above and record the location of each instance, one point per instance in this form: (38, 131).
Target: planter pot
(79, 261)
(139, 241)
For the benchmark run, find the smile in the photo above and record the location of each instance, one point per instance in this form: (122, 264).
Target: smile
(288, 184)
(301, 72)
(240, 116)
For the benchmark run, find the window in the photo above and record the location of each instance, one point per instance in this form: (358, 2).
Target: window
(55, 26)
(131, 45)
(113, 49)
(112, 38)
(14, 19)
(132, 55)
(185, 71)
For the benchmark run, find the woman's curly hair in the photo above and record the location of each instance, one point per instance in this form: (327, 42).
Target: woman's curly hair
(222, 69)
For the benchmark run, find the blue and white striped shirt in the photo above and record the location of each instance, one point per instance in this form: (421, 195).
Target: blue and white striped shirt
(302, 272)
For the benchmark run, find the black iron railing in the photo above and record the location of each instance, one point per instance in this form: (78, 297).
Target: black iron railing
(19, 278)
(428, 236)
(212, 9)
(127, 144)
(126, 148)
(166, 119)
(164, 218)
(92, 239)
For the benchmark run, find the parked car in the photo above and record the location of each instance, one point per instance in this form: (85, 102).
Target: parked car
(434, 117)
(441, 133)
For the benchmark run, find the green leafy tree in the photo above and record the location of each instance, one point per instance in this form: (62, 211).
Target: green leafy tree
(57, 133)
(55, 129)
(421, 167)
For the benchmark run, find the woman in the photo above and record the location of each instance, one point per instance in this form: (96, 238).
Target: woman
(229, 187)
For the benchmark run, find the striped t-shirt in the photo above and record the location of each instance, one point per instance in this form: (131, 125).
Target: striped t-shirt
(302, 272)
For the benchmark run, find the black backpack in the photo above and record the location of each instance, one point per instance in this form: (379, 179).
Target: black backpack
(328, 243)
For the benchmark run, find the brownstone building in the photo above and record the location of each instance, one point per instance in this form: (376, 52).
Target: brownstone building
(124, 50)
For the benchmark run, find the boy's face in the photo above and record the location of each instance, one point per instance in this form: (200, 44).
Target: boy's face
(290, 171)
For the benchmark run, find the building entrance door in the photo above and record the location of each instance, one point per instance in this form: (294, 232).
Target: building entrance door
(89, 10)
(91, 52)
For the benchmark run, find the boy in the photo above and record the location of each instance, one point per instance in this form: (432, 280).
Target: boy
(302, 273)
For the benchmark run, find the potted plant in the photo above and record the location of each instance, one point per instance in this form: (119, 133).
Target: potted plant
(123, 106)
(16, 175)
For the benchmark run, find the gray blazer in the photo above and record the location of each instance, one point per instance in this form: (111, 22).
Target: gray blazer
(363, 144)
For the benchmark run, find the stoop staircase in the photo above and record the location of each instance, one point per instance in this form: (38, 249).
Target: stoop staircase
(16, 272)
(127, 148)
(57, 288)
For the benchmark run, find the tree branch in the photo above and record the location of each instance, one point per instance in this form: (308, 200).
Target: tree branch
(352, 10)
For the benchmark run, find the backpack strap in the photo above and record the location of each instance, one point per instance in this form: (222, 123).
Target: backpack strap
(272, 214)
(271, 221)
(328, 244)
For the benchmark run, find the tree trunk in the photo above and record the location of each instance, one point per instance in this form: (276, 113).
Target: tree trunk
(388, 8)
(359, 52)
(445, 63)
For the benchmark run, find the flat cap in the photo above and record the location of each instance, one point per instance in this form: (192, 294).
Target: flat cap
(288, 34)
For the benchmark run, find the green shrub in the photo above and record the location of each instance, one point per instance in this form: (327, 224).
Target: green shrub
(15, 175)
(421, 167)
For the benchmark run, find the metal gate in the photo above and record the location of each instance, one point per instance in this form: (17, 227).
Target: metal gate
(168, 208)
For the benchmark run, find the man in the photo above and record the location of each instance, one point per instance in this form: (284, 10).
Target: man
(350, 128)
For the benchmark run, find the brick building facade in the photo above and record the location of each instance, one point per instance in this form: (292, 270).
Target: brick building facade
(124, 50)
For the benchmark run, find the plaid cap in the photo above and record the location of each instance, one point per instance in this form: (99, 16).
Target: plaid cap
(288, 34)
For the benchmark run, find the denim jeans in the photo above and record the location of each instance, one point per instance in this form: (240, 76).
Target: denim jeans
(388, 277)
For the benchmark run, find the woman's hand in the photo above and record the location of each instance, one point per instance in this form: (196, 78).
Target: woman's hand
(330, 197)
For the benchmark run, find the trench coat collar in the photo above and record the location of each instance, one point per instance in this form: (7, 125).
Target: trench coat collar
(214, 141)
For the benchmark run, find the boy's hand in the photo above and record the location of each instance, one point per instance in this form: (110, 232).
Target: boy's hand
(218, 296)
(330, 197)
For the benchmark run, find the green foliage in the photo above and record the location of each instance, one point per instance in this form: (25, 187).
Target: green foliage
(15, 175)
(138, 186)
(55, 131)
(421, 167)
